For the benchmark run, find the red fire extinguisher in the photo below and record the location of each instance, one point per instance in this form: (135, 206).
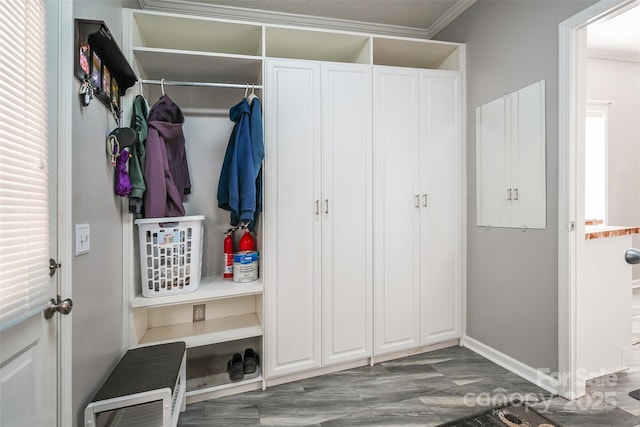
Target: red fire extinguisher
(247, 242)
(228, 255)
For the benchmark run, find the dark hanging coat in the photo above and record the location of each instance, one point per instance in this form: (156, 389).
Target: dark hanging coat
(166, 171)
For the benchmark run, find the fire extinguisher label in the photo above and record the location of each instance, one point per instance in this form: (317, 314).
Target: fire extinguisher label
(228, 265)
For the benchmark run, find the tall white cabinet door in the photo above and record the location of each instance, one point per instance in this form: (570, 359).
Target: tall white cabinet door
(494, 208)
(397, 207)
(441, 207)
(346, 212)
(528, 176)
(291, 264)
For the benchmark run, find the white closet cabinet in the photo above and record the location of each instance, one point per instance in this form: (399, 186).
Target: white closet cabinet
(347, 220)
(418, 214)
(360, 238)
(292, 259)
(510, 139)
(318, 120)
(396, 138)
(441, 208)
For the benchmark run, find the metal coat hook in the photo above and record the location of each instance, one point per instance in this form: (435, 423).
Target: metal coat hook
(162, 86)
(246, 90)
(115, 113)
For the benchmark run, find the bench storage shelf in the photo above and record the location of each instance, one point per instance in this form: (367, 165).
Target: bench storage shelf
(146, 388)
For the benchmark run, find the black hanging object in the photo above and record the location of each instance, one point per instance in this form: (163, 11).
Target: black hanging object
(126, 136)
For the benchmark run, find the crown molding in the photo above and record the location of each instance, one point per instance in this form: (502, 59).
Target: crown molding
(291, 19)
(449, 16)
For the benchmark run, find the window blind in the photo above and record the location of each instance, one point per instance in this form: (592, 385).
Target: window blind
(24, 205)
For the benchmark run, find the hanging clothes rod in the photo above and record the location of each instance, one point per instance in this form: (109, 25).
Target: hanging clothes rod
(201, 84)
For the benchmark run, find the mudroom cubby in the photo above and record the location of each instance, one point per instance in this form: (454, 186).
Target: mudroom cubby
(330, 119)
(187, 52)
(206, 368)
(232, 324)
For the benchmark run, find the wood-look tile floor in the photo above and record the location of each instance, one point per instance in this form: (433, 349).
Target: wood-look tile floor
(422, 390)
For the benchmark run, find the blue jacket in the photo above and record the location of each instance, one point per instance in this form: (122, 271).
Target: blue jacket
(255, 128)
(257, 149)
(236, 188)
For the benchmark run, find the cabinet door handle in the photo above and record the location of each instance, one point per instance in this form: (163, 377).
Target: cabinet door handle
(425, 196)
(516, 196)
(417, 200)
(326, 206)
(509, 196)
(317, 207)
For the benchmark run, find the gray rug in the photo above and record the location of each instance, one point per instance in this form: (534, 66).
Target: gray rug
(514, 414)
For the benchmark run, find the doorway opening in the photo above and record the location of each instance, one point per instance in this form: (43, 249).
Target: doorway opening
(572, 249)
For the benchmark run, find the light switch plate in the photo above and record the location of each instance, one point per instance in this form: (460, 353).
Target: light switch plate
(83, 239)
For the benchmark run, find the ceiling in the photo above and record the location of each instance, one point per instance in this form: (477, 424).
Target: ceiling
(618, 36)
(427, 16)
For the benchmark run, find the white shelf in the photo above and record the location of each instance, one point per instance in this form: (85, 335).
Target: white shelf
(208, 374)
(317, 45)
(198, 34)
(426, 54)
(213, 331)
(225, 386)
(210, 288)
(169, 64)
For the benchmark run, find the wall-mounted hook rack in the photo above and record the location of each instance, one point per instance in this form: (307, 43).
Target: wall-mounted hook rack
(97, 55)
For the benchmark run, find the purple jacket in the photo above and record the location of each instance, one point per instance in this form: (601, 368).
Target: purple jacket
(166, 172)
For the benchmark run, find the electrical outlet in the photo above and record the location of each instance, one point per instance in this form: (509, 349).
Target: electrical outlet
(199, 312)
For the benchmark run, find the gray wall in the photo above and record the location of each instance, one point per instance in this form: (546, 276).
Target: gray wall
(619, 81)
(512, 276)
(97, 276)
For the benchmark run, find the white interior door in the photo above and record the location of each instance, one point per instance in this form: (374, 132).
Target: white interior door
(28, 390)
(28, 341)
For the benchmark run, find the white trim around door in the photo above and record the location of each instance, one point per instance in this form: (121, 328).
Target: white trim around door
(64, 94)
(572, 103)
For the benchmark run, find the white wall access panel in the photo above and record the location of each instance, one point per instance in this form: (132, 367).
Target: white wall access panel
(510, 160)
(292, 232)
(346, 212)
(440, 211)
(493, 206)
(529, 175)
(396, 141)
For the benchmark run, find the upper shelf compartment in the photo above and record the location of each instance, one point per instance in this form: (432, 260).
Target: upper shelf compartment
(416, 53)
(174, 32)
(162, 64)
(317, 45)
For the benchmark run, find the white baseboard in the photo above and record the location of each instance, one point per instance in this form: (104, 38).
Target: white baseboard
(530, 374)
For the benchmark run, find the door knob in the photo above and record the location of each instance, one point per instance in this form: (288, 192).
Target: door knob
(632, 256)
(62, 307)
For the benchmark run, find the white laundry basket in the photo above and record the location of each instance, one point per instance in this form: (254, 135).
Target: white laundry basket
(170, 254)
